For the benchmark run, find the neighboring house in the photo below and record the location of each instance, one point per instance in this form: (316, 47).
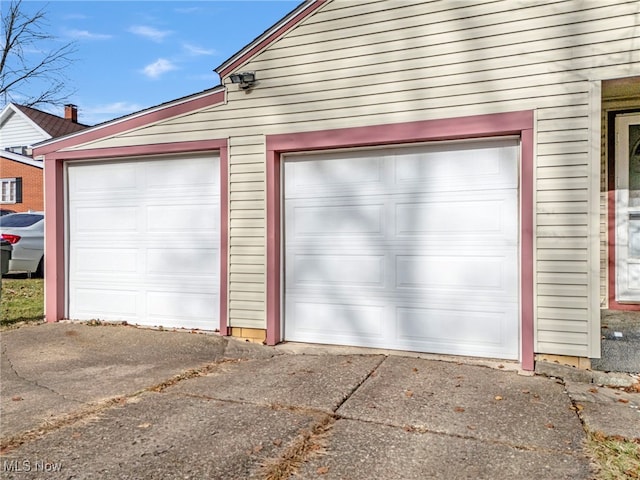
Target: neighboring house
(415, 175)
(21, 181)
(21, 177)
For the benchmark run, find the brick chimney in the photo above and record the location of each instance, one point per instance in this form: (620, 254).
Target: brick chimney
(71, 113)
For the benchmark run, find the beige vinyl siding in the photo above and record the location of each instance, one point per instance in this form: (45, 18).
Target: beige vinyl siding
(247, 230)
(355, 63)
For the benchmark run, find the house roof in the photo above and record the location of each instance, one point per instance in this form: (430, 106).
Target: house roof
(52, 124)
(16, 157)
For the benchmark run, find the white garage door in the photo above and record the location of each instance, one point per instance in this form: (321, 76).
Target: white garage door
(144, 241)
(412, 248)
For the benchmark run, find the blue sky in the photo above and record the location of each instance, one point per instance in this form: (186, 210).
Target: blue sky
(136, 54)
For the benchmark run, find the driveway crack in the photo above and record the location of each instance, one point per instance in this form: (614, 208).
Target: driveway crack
(312, 440)
(35, 383)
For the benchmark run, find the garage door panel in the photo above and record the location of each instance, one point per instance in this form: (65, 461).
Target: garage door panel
(100, 304)
(337, 270)
(96, 220)
(427, 259)
(320, 316)
(100, 260)
(181, 218)
(104, 179)
(458, 167)
(172, 176)
(325, 174)
(178, 261)
(176, 306)
(467, 275)
(323, 220)
(453, 216)
(458, 331)
(159, 242)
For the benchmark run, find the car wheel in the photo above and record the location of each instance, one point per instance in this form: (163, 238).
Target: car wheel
(40, 270)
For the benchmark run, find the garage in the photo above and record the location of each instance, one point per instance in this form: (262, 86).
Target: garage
(410, 248)
(143, 241)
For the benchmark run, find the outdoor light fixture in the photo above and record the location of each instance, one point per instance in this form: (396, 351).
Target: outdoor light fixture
(244, 79)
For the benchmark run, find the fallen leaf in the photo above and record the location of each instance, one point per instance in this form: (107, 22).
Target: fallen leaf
(408, 393)
(549, 425)
(623, 400)
(458, 409)
(415, 370)
(144, 425)
(277, 442)
(257, 448)
(593, 390)
(408, 428)
(526, 391)
(497, 397)
(76, 435)
(471, 427)
(322, 470)
(500, 366)
(17, 399)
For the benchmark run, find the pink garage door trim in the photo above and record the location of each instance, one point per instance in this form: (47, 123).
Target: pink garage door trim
(55, 281)
(480, 126)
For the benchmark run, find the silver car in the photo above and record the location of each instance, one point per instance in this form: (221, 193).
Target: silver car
(25, 233)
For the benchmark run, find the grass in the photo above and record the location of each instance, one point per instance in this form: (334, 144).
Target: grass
(22, 301)
(616, 459)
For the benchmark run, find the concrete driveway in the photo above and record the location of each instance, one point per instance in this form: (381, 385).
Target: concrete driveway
(104, 402)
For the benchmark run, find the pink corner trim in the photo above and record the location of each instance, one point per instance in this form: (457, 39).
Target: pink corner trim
(500, 124)
(224, 239)
(526, 250)
(54, 272)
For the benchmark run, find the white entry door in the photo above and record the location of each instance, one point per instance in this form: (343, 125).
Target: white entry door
(628, 208)
(410, 248)
(144, 241)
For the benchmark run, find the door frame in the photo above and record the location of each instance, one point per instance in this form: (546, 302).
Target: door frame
(519, 123)
(618, 225)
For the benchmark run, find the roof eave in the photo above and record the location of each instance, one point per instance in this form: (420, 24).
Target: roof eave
(16, 157)
(50, 145)
(269, 36)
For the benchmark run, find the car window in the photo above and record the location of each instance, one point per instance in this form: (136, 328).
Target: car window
(20, 220)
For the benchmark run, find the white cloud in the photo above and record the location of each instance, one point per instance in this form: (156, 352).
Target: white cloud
(102, 113)
(150, 32)
(195, 50)
(157, 68)
(87, 35)
(188, 10)
(75, 16)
